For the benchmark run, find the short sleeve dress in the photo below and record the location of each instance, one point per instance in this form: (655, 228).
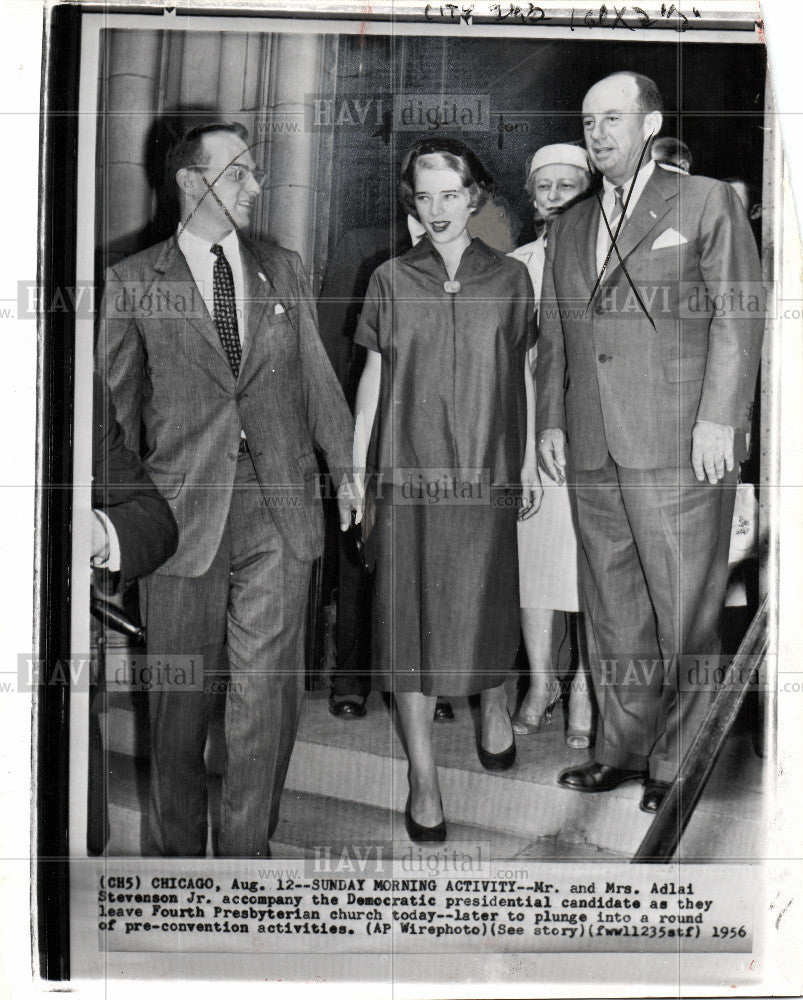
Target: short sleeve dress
(447, 445)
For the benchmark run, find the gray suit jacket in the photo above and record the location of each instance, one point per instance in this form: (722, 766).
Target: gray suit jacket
(605, 375)
(171, 382)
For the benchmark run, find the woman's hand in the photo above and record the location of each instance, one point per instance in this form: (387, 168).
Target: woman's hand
(532, 492)
(552, 454)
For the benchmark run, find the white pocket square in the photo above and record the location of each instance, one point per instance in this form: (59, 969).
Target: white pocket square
(278, 309)
(669, 238)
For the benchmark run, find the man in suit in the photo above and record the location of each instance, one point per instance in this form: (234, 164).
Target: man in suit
(646, 388)
(671, 153)
(209, 343)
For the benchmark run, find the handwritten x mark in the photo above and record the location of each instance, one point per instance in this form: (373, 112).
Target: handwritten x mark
(614, 236)
(210, 189)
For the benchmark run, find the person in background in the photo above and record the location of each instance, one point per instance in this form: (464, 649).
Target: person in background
(444, 412)
(357, 254)
(557, 175)
(671, 153)
(745, 512)
(745, 193)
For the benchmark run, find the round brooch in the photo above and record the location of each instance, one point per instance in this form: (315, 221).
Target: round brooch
(453, 287)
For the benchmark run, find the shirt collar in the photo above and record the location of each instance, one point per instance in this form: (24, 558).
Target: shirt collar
(673, 169)
(197, 245)
(641, 180)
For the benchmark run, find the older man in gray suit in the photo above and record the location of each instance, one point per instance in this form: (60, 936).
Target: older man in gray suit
(209, 345)
(648, 375)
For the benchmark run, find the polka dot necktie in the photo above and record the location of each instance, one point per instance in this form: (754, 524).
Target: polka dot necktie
(224, 309)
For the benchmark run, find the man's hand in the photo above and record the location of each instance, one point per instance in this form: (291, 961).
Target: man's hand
(532, 492)
(349, 498)
(552, 454)
(100, 540)
(711, 450)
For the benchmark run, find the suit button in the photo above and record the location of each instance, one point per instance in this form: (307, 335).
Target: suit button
(604, 357)
(231, 457)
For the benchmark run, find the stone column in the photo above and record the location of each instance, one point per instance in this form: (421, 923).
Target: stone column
(129, 103)
(237, 93)
(200, 68)
(291, 152)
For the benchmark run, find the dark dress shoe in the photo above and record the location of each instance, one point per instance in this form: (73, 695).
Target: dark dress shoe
(593, 777)
(423, 834)
(497, 761)
(347, 708)
(443, 711)
(654, 795)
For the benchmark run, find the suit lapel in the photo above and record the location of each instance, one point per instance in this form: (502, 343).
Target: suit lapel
(652, 206)
(174, 267)
(259, 292)
(585, 235)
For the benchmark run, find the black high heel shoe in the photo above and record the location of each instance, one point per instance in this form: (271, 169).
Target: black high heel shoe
(501, 761)
(423, 834)
(497, 761)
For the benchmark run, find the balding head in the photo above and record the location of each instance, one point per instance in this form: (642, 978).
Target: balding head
(618, 123)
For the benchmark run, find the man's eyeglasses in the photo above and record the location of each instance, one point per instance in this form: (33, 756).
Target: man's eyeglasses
(237, 173)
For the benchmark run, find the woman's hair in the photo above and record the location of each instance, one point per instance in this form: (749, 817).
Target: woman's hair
(440, 152)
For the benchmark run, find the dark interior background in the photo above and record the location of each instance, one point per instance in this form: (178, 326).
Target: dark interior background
(714, 98)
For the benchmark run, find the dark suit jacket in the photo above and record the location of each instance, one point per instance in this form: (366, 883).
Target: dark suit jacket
(145, 526)
(162, 357)
(605, 375)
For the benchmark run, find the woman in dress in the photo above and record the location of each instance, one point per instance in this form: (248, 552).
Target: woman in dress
(445, 418)
(557, 175)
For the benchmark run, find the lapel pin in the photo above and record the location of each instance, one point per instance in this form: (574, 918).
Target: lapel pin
(278, 309)
(262, 276)
(653, 215)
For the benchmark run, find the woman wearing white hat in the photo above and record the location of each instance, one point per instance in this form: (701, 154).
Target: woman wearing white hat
(557, 175)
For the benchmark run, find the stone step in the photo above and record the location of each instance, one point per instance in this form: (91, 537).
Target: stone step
(312, 824)
(362, 762)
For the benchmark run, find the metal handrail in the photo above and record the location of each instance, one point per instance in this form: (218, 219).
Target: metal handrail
(111, 616)
(663, 836)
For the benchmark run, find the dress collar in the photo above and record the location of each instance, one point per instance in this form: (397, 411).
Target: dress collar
(425, 248)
